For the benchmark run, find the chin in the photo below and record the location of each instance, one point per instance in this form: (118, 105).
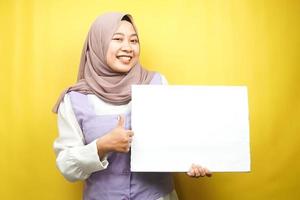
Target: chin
(124, 69)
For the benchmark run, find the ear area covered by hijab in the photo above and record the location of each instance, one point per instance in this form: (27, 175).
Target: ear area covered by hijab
(95, 76)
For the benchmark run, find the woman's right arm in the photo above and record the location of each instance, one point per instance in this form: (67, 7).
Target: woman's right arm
(74, 159)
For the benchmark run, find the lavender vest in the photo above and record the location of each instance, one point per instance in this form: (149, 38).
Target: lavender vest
(116, 182)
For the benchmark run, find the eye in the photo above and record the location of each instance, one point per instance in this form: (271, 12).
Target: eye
(117, 39)
(134, 41)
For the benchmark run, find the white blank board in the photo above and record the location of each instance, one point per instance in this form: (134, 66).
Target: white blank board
(176, 126)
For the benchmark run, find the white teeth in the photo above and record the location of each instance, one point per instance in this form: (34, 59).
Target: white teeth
(124, 58)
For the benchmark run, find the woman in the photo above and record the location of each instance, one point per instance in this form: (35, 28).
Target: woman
(94, 117)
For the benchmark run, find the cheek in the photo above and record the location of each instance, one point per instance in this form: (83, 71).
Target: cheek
(137, 51)
(110, 56)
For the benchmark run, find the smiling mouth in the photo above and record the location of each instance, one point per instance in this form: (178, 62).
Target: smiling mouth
(124, 58)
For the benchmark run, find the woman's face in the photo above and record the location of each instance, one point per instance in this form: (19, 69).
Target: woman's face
(124, 49)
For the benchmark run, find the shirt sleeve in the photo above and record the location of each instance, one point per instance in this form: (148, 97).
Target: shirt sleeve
(74, 159)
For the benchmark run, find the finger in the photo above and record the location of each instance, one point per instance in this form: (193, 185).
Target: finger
(202, 171)
(190, 172)
(197, 171)
(207, 172)
(121, 122)
(130, 133)
(125, 148)
(193, 170)
(129, 143)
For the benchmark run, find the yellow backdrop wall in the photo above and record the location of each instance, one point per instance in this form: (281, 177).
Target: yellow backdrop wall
(210, 42)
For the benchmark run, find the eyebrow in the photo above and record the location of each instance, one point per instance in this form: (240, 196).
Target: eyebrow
(134, 34)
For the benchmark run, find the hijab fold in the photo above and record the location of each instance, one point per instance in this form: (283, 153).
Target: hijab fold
(95, 76)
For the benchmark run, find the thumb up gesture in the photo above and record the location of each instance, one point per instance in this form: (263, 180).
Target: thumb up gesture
(118, 139)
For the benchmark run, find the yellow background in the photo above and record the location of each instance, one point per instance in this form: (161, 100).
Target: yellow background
(210, 42)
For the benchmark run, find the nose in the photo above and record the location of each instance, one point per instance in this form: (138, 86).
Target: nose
(126, 47)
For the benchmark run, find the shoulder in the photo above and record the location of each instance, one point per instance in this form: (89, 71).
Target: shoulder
(159, 78)
(64, 106)
(164, 80)
(76, 102)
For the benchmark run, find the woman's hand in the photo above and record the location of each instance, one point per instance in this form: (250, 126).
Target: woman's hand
(196, 171)
(118, 139)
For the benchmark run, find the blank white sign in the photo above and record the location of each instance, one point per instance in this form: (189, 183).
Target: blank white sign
(176, 126)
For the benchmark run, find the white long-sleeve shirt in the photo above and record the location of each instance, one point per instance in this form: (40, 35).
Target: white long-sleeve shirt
(75, 159)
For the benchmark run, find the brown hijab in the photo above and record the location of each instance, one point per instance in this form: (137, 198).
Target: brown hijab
(95, 76)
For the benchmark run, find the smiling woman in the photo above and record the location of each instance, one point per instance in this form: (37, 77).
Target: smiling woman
(253, 43)
(94, 117)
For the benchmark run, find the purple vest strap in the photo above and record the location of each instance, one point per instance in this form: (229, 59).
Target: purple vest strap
(116, 182)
